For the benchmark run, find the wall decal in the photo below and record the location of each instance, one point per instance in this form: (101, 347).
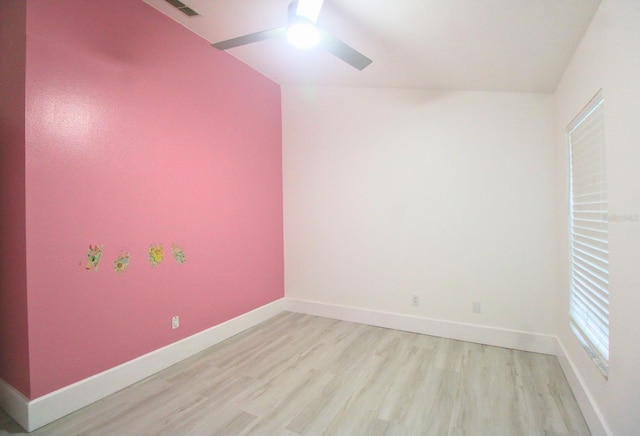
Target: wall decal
(156, 254)
(121, 264)
(178, 254)
(93, 257)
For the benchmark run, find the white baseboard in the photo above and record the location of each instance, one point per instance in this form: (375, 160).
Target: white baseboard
(514, 339)
(590, 411)
(43, 410)
(46, 409)
(14, 403)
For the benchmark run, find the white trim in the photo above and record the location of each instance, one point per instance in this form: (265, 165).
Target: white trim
(43, 410)
(501, 337)
(14, 403)
(590, 410)
(595, 101)
(514, 339)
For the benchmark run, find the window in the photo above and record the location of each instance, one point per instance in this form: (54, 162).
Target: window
(589, 230)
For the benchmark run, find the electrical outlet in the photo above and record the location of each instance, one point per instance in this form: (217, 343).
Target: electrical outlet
(175, 322)
(415, 300)
(477, 308)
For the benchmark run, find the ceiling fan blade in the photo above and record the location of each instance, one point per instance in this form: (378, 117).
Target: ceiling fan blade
(250, 38)
(338, 48)
(309, 9)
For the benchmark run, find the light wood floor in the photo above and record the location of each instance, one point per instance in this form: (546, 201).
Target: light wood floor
(300, 374)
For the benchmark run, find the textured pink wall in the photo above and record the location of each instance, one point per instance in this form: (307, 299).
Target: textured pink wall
(139, 132)
(14, 350)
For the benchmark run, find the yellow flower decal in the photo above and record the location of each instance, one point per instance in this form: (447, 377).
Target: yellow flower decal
(156, 255)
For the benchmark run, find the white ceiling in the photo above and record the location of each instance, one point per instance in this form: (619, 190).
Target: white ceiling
(492, 45)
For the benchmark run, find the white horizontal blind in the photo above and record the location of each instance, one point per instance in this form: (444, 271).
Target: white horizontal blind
(589, 229)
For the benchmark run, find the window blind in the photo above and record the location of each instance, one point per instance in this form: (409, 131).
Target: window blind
(589, 229)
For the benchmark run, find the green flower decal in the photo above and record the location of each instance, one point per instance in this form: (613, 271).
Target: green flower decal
(93, 257)
(178, 254)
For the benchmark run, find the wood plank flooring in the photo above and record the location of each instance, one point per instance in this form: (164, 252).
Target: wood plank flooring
(304, 375)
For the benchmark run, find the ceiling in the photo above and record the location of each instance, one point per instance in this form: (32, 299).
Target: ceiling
(489, 45)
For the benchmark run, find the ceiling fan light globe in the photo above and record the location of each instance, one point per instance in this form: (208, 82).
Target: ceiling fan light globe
(303, 35)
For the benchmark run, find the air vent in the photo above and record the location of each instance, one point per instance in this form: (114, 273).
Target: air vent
(182, 7)
(188, 11)
(176, 4)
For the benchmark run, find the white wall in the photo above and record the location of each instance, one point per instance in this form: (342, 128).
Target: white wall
(450, 195)
(609, 58)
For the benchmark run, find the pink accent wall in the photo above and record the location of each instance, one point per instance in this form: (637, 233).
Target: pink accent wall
(14, 349)
(139, 132)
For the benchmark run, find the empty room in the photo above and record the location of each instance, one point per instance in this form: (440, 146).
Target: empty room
(277, 217)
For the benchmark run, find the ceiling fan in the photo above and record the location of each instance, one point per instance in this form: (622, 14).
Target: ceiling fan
(303, 32)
